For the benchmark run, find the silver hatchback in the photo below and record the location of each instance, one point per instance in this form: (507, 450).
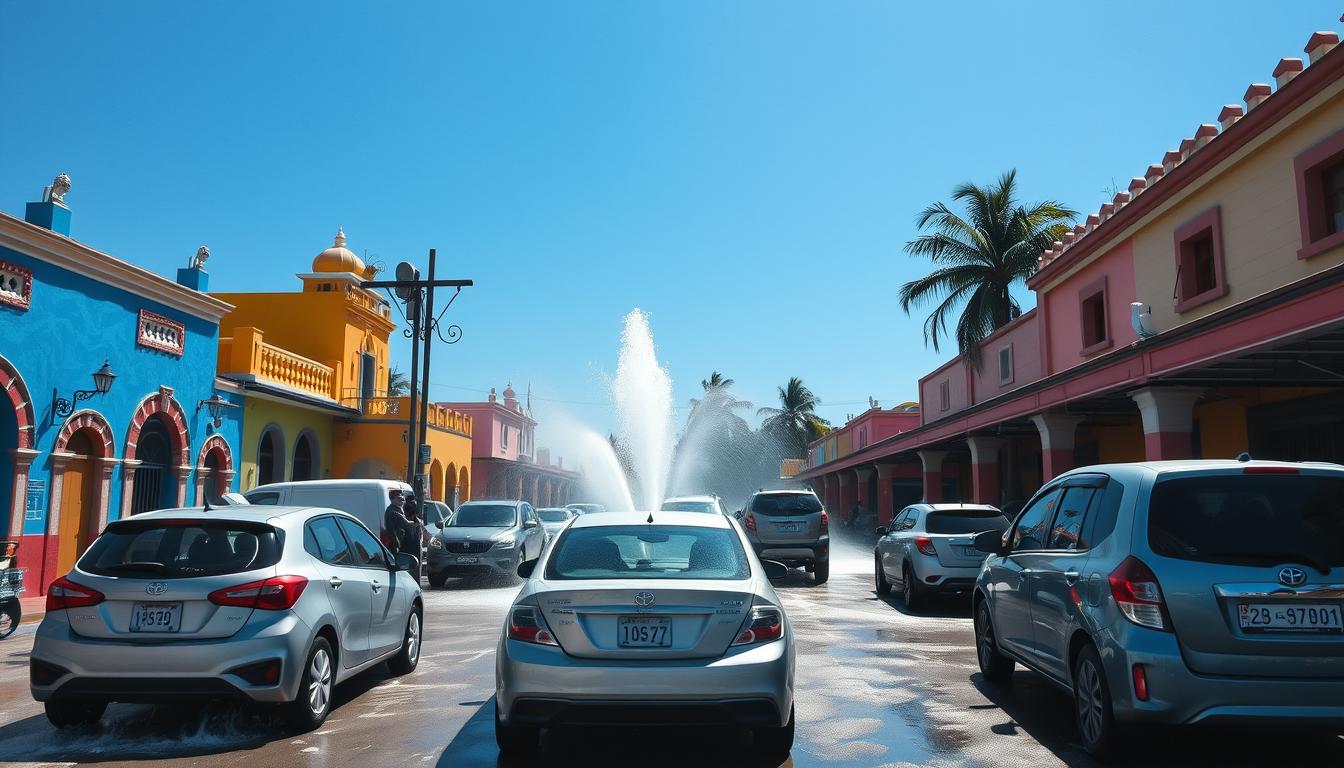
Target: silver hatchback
(1174, 592)
(263, 604)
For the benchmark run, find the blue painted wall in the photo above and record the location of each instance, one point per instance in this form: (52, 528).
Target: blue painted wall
(73, 325)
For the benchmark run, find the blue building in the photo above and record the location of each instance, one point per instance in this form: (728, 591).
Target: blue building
(109, 371)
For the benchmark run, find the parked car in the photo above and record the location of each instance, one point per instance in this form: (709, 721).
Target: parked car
(930, 548)
(259, 603)
(707, 504)
(486, 538)
(1174, 592)
(553, 519)
(365, 500)
(626, 622)
(790, 527)
(586, 509)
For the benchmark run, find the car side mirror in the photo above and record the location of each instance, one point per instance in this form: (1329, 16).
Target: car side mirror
(881, 530)
(529, 523)
(526, 568)
(990, 542)
(774, 571)
(407, 562)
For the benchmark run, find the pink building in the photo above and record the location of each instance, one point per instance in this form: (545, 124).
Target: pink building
(505, 462)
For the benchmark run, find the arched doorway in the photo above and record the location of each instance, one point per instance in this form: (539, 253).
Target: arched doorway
(77, 502)
(463, 485)
(436, 480)
(450, 485)
(16, 447)
(305, 458)
(214, 471)
(271, 456)
(154, 486)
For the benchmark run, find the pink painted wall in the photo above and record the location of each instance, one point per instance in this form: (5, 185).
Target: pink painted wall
(488, 421)
(1024, 335)
(930, 403)
(1064, 330)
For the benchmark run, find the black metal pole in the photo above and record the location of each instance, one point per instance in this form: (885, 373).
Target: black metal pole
(424, 379)
(413, 306)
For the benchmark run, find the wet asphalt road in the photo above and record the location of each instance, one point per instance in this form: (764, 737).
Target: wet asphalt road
(877, 686)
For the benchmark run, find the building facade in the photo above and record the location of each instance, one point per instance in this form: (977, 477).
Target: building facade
(505, 460)
(1200, 313)
(77, 451)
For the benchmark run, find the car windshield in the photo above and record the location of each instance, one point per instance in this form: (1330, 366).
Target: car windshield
(1250, 519)
(485, 516)
(181, 549)
(785, 504)
(648, 552)
(553, 515)
(966, 521)
(585, 509)
(690, 506)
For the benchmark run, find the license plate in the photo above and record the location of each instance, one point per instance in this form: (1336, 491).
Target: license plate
(1280, 617)
(644, 632)
(468, 560)
(156, 617)
(788, 527)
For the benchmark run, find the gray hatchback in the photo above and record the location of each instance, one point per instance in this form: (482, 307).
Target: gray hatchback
(1174, 592)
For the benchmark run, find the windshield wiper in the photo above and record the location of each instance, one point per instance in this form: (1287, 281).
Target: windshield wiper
(139, 566)
(1279, 557)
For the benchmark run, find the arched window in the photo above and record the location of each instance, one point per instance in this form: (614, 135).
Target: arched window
(154, 486)
(304, 455)
(271, 456)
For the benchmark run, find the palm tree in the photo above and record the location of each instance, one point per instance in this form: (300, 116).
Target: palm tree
(397, 383)
(718, 402)
(979, 258)
(795, 422)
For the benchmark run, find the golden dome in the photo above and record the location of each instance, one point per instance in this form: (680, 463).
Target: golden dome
(338, 258)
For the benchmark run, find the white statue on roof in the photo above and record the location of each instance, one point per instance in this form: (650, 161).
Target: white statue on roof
(56, 192)
(202, 254)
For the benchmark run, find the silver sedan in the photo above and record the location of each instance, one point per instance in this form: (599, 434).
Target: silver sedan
(265, 604)
(624, 621)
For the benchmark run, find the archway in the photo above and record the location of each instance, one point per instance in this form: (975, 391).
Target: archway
(450, 492)
(305, 457)
(436, 480)
(168, 486)
(154, 484)
(463, 484)
(271, 455)
(214, 470)
(81, 474)
(16, 445)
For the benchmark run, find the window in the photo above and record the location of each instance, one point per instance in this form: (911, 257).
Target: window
(1320, 196)
(485, 516)
(1006, 364)
(1067, 532)
(785, 504)
(1199, 261)
(648, 552)
(322, 539)
(1092, 308)
(168, 549)
(966, 521)
(944, 395)
(365, 548)
(504, 436)
(911, 518)
(1034, 521)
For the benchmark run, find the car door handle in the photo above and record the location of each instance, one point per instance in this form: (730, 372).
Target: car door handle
(1071, 577)
(376, 587)
(335, 582)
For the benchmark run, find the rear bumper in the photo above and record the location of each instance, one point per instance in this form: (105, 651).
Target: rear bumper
(542, 685)
(933, 575)
(803, 553)
(114, 670)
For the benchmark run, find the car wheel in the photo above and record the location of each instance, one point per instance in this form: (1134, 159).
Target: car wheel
(911, 591)
(515, 739)
(996, 667)
(1092, 703)
(438, 580)
(409, 655)
(9, 618)
(310, 709)
(67, 714)
(775, 744)
(821, 571)
(879, 577)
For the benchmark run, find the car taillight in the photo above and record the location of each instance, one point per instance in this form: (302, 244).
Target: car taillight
(1136, 591)
(925, 546)
(825, 522)
(1140, 683)
(278, 593)
(1270, 471)
(763, 625)
(64, 593)
(526, 624)
(750, 520)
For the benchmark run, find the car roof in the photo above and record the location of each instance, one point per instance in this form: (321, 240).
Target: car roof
(1202, 465)
(512, 502)
(786, 491)
(952, 507)
(332, 483)
(255, 513)
(691, 498)
(696, 519)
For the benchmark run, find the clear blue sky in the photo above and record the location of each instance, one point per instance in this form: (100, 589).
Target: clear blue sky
(745, 171)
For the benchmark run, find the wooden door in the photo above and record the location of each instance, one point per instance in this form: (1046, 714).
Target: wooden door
(76, 508)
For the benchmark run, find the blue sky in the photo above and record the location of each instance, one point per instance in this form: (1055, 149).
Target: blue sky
(747, 172)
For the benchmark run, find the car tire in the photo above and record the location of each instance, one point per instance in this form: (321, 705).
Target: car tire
(821, 571)
(1092, 703)
(70, 714)
(774, 744)
(310, 709)
(10, 614)
(409, 656)
(880, 577)
(438, 580)
(912, 592)
(996, 667)
(516, 739)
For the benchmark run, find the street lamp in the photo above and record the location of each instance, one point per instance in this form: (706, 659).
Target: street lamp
(216, 406)
(102, 383)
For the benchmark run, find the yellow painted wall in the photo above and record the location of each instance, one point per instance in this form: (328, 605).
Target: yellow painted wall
(1120, 443)
(370, 449)
(1222, 429)
(258, 414)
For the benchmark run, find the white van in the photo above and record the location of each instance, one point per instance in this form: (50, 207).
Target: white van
(365, 499)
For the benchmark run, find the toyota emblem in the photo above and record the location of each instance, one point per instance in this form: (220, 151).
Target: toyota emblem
(1292, 577)
(644, 599)
(156, 588)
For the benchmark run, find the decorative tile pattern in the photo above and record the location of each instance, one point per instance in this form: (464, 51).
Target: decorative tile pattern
(160, 333)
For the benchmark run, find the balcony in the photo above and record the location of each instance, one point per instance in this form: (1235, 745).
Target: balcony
(381, 407)
(246, 354)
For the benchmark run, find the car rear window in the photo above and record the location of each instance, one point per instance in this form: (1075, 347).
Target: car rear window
(966, 521)
(1249, 519)
(690, 506)
(553, 515)
(785, 504)
(181, 549)
(648, 552)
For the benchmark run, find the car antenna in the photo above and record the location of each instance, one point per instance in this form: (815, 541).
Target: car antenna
(650, 520)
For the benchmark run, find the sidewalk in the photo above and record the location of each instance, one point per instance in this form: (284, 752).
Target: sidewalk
(34, 608)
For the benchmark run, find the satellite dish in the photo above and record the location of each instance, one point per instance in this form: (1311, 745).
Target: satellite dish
(406, 272)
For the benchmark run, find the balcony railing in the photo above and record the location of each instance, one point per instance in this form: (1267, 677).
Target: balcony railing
(246, 352)
(379, 406)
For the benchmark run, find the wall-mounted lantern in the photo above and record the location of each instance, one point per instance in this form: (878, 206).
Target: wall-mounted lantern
(102, 383)
(216, 407)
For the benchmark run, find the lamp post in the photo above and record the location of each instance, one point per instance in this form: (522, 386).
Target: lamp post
(102, 382)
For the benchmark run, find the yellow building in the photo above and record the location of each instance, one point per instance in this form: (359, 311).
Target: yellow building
(313, 366)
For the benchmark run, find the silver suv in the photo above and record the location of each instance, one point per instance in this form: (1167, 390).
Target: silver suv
(1174, 592)
(485, 538)
(790, 527)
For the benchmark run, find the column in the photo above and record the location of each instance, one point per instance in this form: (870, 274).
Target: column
(862, 475)
(183, 474)
(1057, 434)
(985, 469)
(104, 500)
(223, 481)
(516, 487)
(832, 501)
(933, 474)
(819, 488)
(531, 489)
(884, 511)
(546, 492)
(846, 479)
(1168, 420)
(23, 462)
(128, 467)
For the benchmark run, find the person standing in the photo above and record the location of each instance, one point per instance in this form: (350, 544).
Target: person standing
(412, 539)
(394, 522)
